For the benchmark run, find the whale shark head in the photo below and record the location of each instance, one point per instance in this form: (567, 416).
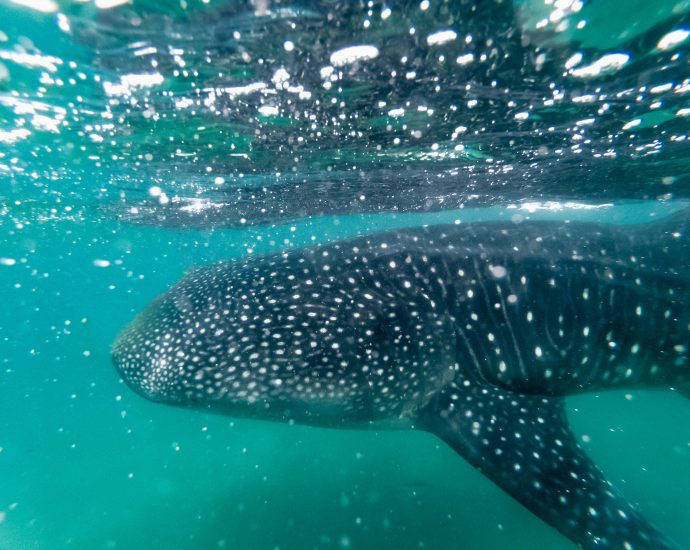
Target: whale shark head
(213, 342)
(145, 353)
(172, 350)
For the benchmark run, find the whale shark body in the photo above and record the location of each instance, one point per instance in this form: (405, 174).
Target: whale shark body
(475, 333)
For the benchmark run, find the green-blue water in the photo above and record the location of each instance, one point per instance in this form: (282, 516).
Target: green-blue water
(85, 463)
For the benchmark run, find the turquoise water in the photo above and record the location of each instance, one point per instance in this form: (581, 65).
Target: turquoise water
(85, 463)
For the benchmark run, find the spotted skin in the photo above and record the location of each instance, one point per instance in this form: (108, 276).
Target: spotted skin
(475, 333)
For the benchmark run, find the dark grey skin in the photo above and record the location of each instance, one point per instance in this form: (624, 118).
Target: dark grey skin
(474, 333)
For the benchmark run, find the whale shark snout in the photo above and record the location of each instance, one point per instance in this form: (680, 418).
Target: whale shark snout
(148, 354)
(175, 351)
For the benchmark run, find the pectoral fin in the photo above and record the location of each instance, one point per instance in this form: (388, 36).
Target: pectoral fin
(523, 444)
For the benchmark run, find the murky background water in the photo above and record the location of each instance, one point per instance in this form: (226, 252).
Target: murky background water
(140, 139)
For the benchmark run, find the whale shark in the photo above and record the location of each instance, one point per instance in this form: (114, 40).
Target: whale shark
(474, 332)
